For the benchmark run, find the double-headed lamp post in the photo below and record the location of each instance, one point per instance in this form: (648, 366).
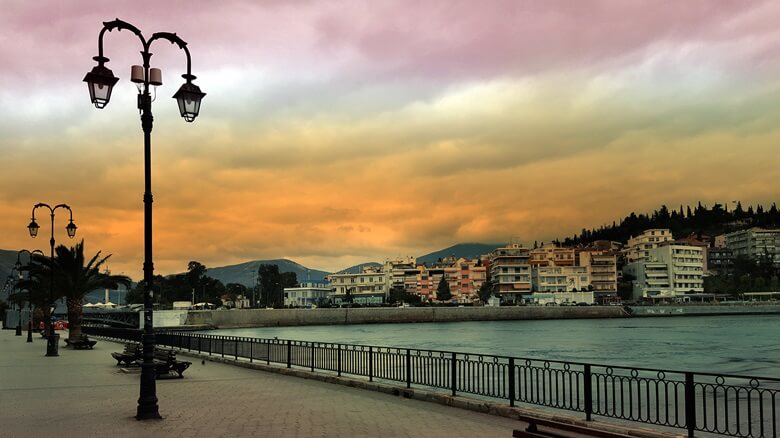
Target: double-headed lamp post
(29, 291)
(100, 82)
(51, 344)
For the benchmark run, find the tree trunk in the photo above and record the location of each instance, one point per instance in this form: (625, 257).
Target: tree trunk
(74, 319)
(46, 321)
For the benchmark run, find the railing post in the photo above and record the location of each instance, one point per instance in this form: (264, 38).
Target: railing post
(199, 338)
(289, 353)
(408, 368)
(223, 346)
(251, 350)
(268, 351)
(211, 343)
(690, 404)
(235, 347)
(454, 373)
(370, 364)
(587, 382)
(338, 360)
(312, 357)
(512, 381)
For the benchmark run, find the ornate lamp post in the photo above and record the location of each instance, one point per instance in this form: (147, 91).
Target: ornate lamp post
(100, 82)
(14, 278)
(51, 339)
(29, 291)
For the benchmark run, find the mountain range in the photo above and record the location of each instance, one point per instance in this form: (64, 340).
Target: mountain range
(244, 273)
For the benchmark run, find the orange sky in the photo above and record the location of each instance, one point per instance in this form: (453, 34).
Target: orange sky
(334, 136)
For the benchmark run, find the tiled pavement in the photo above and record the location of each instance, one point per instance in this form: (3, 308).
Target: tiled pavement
(82, 393)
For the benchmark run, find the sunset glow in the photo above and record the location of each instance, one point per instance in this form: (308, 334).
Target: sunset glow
(335, 133)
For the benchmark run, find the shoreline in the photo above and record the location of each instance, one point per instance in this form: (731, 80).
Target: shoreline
(249, 318)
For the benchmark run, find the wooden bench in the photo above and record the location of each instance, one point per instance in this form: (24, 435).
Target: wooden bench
(165, 362)
(81, 343)
(131, 353)
(553, 429)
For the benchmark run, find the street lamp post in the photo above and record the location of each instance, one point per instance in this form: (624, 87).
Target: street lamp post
(51, 340)
(29, 290)
(100, 81)
(14, 286)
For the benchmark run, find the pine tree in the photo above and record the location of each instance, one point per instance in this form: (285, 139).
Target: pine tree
(443, 292)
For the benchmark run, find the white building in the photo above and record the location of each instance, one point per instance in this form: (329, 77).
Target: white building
(560, 278)
(602, 266)
(545, 298)
(510, 271)
(307, 294)
(367, 287)
(638, 248)
(668, 272)
(755, 243)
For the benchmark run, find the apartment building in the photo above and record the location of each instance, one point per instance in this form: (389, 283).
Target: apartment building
(307, 294)
(464, 276)
(510, 271)
(602, 267)
(560, 279)
(370, 286)
(551, 255)
(668, 271)
(755, 243)
(638, 248)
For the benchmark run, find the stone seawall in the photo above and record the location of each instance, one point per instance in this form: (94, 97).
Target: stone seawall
(706, 310)
(295, 317)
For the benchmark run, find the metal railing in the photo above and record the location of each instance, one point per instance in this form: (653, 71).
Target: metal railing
(735, 405)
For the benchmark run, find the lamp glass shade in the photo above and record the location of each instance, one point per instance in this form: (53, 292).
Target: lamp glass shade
(188, 97)
(33, 227)
(71, 229)
(100, 81)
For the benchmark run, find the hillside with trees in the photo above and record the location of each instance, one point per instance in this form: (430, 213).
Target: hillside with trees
(682, 221)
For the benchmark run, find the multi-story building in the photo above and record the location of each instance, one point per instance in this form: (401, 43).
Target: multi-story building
(464, 276)
(638, 248)
(551, 255)
(510, 272)
(719, 259)
(307, 294)
(602, 266)
(668, 271)
(366, 287)
(755, 243)
(560, 278)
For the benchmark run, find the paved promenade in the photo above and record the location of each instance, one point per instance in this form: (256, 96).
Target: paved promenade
(82, 393)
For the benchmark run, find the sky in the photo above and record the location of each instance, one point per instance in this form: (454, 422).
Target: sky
(340, 132)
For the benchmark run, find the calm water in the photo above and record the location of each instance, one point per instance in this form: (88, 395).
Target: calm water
(727, 344)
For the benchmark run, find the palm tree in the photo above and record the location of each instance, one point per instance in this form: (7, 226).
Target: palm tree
(38, 286)
(75, 279)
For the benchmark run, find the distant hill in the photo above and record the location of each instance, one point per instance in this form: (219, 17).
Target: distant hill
(467, 250)
(358, 268)
(244, 273)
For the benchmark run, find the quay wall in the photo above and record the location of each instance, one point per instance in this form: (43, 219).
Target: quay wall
(296, 317)
(706, 310)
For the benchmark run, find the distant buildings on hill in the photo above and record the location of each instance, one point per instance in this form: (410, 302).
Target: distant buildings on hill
(654, 265)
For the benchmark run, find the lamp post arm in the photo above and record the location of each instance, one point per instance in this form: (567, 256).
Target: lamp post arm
(65, 206)
(174, 39)
(120, 25)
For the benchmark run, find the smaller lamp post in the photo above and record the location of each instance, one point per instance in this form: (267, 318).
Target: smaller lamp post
(51, 344)
(29, 290)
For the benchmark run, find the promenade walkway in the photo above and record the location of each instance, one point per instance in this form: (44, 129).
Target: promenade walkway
(83, 393)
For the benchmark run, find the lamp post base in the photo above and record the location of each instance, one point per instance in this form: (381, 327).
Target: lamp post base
(29, 332)
(19, 330)
(52, 345)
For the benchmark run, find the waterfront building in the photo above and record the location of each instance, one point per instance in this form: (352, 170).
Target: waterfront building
(702, 241)
(755, 243)
(719, 241)
(307, 294)
(560, 278)
(464, 276)
(602, 267)
(370, 286)
(551, 255)
(638, 248)
(401, 273)
(668, 272)
(510, 271)
(719, 259)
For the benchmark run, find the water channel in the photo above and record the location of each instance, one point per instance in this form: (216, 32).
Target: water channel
(748, 344)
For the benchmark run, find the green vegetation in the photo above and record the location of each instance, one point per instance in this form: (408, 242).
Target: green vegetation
(443, 292)
(682, 222)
